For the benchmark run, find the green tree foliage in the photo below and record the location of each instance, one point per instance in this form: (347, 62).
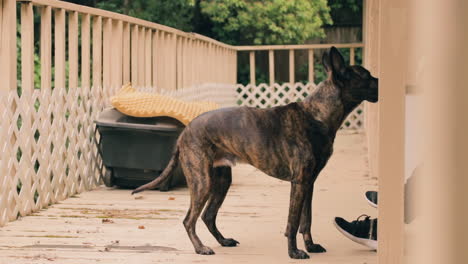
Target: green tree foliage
(173, 13)
(353, 5)
(266, 22)
(242, 22)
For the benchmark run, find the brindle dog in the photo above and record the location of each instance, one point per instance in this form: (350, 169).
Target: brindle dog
(292, 143)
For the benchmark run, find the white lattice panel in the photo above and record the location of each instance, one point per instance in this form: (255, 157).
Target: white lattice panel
(47, 148)
(264, 96)
(47, 143)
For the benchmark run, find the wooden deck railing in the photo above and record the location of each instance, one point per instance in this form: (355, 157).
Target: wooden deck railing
(128, 49)
(291, 66)
(72, 66)
(81, 57)
(274, 93)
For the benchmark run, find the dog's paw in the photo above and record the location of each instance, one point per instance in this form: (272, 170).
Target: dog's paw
(204, 251)
(314, 248)
(298, 254)
(228, 242)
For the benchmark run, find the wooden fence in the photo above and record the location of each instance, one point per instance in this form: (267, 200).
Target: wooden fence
(81, 57)
(310, 48)
(70, 60)
(265, 95)
(273, 94)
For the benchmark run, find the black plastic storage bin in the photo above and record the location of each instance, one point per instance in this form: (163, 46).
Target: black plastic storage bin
(136, 150)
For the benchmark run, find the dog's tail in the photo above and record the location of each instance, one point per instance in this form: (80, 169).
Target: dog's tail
(164, 175)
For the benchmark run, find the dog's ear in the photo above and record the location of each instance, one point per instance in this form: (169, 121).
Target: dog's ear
(337, 62)
(326, 62)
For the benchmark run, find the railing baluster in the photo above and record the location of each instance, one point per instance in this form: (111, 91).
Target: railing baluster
(234, 66)
(60, 49)
(46, 48)
(134, 54)
(252, 67)
(73, 50)
(141, 57)
(116, 54)
(179, 62)
(107, 61)
(311, 66)
(27, 85)
(85, 51)
(27, 48)
(155, 59)
(8, 45)
(291, 67)
(162, 71)
(351, 56)
(126, 53)
(148, 58)
(58, 155)
(173, 64)
(271, 66)
(97, 52)
(46, 88)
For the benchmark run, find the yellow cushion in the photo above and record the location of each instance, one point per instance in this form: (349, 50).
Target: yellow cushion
(133, 103)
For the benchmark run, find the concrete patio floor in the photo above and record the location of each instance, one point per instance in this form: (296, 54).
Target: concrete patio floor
(109, 225)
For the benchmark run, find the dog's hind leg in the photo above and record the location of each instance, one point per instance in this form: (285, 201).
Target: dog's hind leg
(197, 172)
(306, 222)
(221, 181)
(298, 194)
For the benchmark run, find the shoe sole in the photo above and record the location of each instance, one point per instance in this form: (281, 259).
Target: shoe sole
(365, 242)
(371, 203)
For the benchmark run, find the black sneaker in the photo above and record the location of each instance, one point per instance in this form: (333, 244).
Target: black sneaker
(363, 231)
(371, 197)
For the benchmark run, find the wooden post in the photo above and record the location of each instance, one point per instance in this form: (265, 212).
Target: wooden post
(159, 48)
(179, 62)
(72, 179)
(193, 65)
(141, 57)
(188, 51)
(186, 60)
(371, 62)
(148, 58)
(311, 66)
(107, 48)
(97, 52)
(46, 88)
(134, 55)
(27, 85)
(352, 56)
(27, 49)
(173, 62)
(116, 58)
(8, 45)
(46, 48)
(85, 51)
(252, 67)
(291, 67)
(73, 50)
(162, 76)
(392, 83)
(155, 59)
(126, 53)
(442, 231)
(59, 49)
(271, 66)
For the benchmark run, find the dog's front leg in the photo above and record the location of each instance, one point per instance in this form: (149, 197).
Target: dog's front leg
(306, 222)
(298, 195)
